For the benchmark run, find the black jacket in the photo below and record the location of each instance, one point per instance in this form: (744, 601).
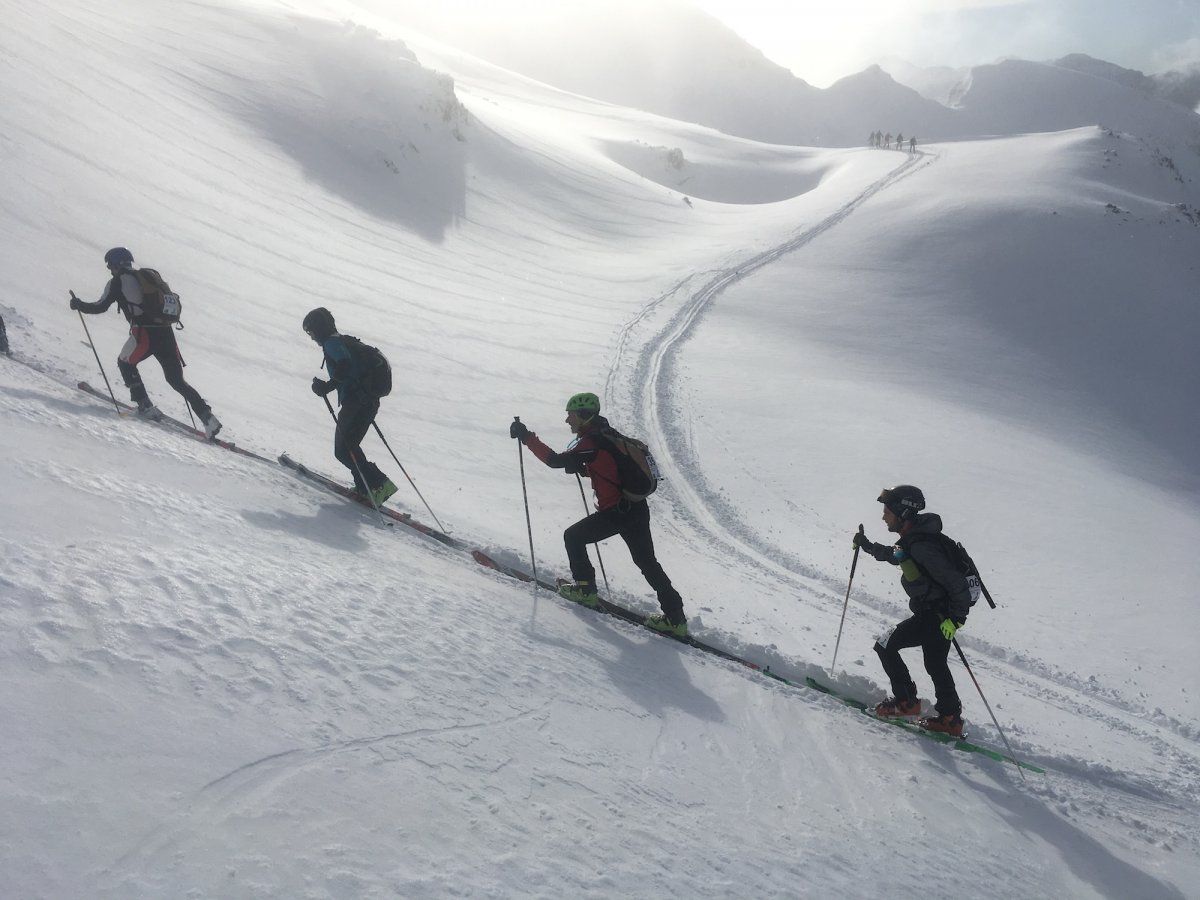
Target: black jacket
(928, 574)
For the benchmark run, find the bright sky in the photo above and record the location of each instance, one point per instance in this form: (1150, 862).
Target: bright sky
(824, 40)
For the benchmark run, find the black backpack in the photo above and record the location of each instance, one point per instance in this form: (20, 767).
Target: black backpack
(962, 561)
(378, 378)
(635, 464)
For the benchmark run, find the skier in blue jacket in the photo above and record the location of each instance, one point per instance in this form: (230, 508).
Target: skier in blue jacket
(356, 381)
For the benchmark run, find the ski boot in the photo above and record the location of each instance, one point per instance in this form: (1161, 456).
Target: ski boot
(895, 708)
(663, 625)
(147, 410)
(949, 723)
(581, 592)
(383, 492)
(212, 425)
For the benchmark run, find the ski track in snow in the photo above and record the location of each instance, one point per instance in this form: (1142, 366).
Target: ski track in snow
(648, 388)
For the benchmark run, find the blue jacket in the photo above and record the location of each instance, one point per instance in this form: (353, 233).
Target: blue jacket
(344, 369)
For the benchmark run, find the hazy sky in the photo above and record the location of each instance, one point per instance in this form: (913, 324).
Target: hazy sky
(823, 40)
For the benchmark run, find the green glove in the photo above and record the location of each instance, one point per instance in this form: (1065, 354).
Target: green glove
(949, 629)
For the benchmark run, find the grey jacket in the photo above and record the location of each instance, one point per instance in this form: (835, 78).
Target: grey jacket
(125, 291)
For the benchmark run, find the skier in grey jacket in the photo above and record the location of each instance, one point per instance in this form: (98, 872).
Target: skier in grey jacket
(939, 598)
(148, 336)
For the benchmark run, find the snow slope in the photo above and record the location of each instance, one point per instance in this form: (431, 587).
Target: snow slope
(221, 681)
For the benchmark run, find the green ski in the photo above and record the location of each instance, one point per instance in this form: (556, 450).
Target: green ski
(911, 727)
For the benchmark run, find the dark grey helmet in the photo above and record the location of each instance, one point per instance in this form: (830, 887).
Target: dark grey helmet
(904, 500)
(119, 258)
(319, 324)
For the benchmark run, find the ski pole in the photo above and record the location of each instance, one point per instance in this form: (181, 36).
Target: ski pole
(406, 475)
(600, 559)
(357, 467)
(1011, 755)
(528, 520)
(982, 587)
(103, 374)
(846, 603)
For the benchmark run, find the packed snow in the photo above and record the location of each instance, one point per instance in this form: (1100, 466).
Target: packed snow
(221, 680)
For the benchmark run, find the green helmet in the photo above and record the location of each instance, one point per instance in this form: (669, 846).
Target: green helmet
(584, 403)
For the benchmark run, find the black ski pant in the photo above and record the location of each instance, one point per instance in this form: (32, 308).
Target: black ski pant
(354, 420)
(157, 341)
(922, 630)
(632, 522)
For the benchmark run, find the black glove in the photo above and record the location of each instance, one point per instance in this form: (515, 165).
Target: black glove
(861, 540)
(518, 432)
(321, 388)
(574, 465)
(76, 303)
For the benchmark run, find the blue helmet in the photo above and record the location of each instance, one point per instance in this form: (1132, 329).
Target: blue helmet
(119, 258)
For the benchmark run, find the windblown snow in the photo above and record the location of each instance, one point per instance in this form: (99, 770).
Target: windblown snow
(220, 680)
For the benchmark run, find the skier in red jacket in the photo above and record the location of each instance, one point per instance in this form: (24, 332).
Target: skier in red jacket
(593, 455)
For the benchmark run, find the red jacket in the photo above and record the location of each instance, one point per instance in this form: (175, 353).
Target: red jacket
(589, 459)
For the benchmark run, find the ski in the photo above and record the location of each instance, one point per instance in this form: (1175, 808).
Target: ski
(488, 563)
(913, 728)
(607, 607)
(635, 618)
(353, 496)
(176, 424)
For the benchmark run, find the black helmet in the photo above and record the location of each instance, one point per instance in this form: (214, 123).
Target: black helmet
(118, 257)
(319, 324)
(904, 500)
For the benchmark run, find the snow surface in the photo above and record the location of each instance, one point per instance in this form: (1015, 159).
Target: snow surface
(220, 681)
